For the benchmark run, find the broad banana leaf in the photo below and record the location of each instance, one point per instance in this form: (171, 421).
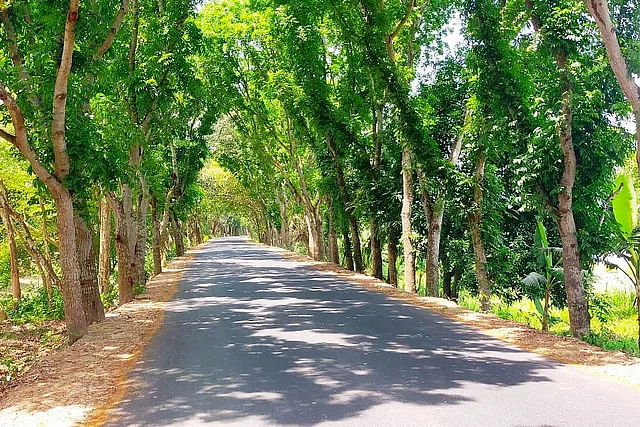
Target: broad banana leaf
(625, 204)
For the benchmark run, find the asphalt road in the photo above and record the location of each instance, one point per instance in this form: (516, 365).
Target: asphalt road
(254, 339)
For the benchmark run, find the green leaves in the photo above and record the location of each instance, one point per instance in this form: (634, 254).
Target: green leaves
(625, 204)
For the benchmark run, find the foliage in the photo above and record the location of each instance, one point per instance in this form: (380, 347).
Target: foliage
(34, 307)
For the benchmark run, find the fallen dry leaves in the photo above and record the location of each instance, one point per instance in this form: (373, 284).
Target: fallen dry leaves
(82, 380)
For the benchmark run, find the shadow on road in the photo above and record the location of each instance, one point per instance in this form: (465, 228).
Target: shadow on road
(253, 335)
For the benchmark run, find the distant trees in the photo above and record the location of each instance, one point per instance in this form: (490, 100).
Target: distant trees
(356, 131)
(355, 122)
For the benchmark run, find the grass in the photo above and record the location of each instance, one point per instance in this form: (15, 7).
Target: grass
(615, 329)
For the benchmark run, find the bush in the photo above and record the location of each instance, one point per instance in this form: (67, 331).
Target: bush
(5, 265)
(33, 307)
(110, 299)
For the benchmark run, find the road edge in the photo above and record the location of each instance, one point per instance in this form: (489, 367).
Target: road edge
(615, 365)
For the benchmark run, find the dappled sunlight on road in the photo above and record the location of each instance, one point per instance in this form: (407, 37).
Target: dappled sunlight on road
(272, 342)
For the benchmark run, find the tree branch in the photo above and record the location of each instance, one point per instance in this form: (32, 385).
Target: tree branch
(22, 144)
(16, 58)
(61, 157)
(113, 30)
(7, 136)
(396, 32)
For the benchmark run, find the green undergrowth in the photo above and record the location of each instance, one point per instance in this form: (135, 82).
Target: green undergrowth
(614, 324)
(33, 307)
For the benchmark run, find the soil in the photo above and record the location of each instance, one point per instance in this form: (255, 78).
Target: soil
(616, 364)
(78, 383)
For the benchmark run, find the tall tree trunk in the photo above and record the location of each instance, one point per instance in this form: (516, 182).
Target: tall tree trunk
(578, 308)
(434, 214)
(47, 254)
(319, 232)
(392, 252)
(446, 283)
(141, 233)
(334, 255)
(16, 292)
(71, 289)
(407, 200)
(177, 234)
(357, 249)
(475, 227)
(93, 309)
(348, 257)
(376, 250)
(346, 200)
(198, 231)
(157, 241)
(104, 262)
(123, 251)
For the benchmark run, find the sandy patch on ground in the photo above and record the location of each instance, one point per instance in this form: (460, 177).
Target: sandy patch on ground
(82, 381)
(569, 350)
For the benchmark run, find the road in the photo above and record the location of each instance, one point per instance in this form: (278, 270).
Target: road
(254, 339)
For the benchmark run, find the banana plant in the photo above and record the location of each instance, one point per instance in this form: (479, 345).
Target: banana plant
(552, 275)
(625, 210)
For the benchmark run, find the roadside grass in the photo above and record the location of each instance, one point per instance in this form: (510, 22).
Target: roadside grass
(615, 329)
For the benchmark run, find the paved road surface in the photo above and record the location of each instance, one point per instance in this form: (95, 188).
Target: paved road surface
(254, 339)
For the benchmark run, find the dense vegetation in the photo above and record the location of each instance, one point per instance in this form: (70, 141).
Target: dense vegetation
(476, 150)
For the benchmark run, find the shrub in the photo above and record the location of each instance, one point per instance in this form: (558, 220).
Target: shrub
(33, 307)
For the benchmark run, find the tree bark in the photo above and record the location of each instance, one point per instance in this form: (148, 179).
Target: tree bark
(93, 309)
(104, 262)
(392, 252)
(475, 227)
(446, 283)
(376, 250)
(71, 290)
(47, 254)
(157, 240)
(357, 249)
(177, 234)
(578, 308)
(407, 200)
(124, 253)
(348, 257)
(16, 291)
(346, 200)
(141, 235)
(334, 255)
(599, 9)
(434, 215)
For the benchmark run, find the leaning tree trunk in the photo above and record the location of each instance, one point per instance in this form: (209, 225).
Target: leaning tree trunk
(475, 227)
(407, 200)
(392, 252)
(16, 292)
(104, 260)
(93, 309)
(579, 320)
(376, 250)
